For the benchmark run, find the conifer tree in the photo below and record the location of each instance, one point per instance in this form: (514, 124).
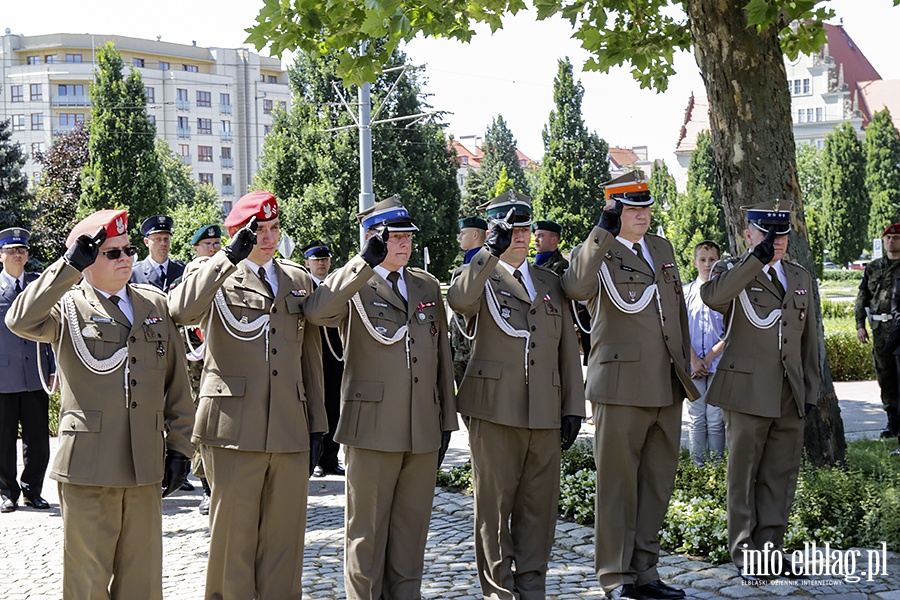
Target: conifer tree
(845, 202)
(882, 150)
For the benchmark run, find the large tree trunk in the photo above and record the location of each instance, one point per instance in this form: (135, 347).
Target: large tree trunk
(753, 144)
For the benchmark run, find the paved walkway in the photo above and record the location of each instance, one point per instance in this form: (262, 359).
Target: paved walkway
(31, 551)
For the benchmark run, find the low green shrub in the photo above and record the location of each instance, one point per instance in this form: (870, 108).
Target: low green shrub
(849, 360)
(836, 309)
(841, 275)
(853, 505)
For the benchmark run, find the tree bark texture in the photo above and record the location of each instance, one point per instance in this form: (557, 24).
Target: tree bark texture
(753, 144)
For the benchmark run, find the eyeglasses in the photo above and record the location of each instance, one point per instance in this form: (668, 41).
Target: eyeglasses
(210, 244)
(115, 253)
(15, 250)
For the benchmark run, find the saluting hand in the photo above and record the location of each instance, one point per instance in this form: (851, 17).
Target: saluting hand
(765, 250)
(242, 243)
(611, 217)
(85, 250)
(500, 236)
(374, 249)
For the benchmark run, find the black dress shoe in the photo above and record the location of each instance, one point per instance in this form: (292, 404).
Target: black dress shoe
(658, 589)
(8, 505)
(625, 592)
(335, 470)
(187, 486)
(36, 502)
(318, 471)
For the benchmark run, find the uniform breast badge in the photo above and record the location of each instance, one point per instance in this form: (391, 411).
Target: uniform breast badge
(298, 293)
(434, 329)
(505, 312)
(91, 332)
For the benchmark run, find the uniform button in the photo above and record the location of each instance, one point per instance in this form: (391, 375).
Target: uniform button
(358, 395)
(381, 314)
(219, 389)
(274, 372)
(274, 350)
(664, 318)
(134, 405)
(615, 356)
(272, 330)
(784, 322)
(72, 425)
(785, 306)
(533, 328)
(133, 383)
(631, 279)
(274, 309)
(479, 372)
(133, 339)
(133, 360)
(354, 269)
(412, 341)
(533, 311)
(531, 362)
(415, 380)
(480, 261)
(532, 344)
(731, 366)
(666, 338)
(218, 269)
(415, 359)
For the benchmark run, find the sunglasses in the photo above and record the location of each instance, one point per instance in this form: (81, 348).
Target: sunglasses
(115, 253)
(15, 250)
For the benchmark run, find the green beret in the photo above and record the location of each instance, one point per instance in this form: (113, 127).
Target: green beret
(205, 233)
(547, 226)
(474, 222)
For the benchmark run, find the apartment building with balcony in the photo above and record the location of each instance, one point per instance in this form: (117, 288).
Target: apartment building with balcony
(212, 105)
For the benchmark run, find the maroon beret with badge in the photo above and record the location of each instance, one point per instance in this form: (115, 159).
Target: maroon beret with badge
(892, 229)
(114, 221)
(260, 204)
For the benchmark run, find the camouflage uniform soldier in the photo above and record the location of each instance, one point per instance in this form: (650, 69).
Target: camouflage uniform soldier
(873, 303)
(472, 233)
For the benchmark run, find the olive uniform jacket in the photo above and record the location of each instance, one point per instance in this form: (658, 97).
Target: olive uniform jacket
(259, 395)
(749, 377)
(397, 397)
(631, 354)
(495, 387)
(104, 440)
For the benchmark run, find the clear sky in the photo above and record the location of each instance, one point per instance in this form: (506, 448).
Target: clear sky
(510, 73)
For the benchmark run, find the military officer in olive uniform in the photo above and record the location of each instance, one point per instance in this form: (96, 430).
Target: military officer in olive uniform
(472, 231)
(873, 304)
(638, 375)
(206, 241)
(766, 379)
(116, 443)
(398, 406)
(524, 395)
(261, 415)
(25, 368)
(157, 269)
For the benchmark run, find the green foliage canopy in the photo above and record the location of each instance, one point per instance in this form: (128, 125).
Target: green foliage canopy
(15, 199)
(882, 149)
(575, 164)
(845, 202)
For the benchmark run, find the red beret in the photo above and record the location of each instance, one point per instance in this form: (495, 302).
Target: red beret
(114, 221)
(259, 204)
(891, 229)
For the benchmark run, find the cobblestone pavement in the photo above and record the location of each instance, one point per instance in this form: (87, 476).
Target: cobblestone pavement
(31, 554)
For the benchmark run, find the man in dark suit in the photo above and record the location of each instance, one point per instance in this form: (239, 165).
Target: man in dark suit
(157, 269)
(765, 382)
(318, 261)
(638, 375)
(22, 396)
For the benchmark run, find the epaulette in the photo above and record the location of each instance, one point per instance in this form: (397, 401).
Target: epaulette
(545, 269)
(286, 262)
(146, 287)
(793, 263)
(419, 271)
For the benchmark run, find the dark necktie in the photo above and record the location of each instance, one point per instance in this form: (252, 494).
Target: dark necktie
(115, 300)
(262, 277)
(518, 275)
(162, 277)
(394, 278)
(776, 282)
(18, 287)
(640, 254)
